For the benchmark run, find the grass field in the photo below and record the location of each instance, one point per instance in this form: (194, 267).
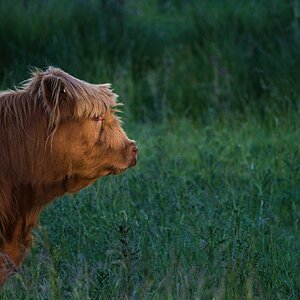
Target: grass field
(210, 211)
(211, 92)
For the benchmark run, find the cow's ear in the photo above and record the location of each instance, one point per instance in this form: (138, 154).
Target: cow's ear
(57, 99)
(53, 90)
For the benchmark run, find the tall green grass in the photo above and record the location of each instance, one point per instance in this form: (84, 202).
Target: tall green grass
(208, 212)
(211, 93)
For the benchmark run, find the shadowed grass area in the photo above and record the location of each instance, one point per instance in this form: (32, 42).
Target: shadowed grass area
(211, 92)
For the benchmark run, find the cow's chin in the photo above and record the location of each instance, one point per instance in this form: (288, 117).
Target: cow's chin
(115, 170)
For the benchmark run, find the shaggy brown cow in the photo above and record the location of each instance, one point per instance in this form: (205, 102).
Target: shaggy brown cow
(58, 134)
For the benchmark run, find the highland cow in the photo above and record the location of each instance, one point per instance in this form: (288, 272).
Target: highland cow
(58, 134)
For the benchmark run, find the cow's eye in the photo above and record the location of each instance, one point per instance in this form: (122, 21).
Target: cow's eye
(97, 118)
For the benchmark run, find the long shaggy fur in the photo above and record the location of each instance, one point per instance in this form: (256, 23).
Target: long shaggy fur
(18, 106)
(89, 99)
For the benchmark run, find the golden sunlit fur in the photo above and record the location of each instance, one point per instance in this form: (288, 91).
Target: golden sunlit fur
(57, 134)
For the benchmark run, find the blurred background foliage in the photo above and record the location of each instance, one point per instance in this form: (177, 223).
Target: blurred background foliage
(192, 58)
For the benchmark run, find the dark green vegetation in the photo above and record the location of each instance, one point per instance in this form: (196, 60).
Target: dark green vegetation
(211, 92)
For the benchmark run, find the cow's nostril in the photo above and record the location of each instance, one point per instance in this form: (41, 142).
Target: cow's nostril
(135, 150)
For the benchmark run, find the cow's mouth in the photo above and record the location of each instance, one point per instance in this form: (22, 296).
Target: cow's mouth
(133, 162)
(118, 170)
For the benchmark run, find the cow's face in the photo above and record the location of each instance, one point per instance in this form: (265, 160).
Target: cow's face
(88, 140)
(94, 147)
